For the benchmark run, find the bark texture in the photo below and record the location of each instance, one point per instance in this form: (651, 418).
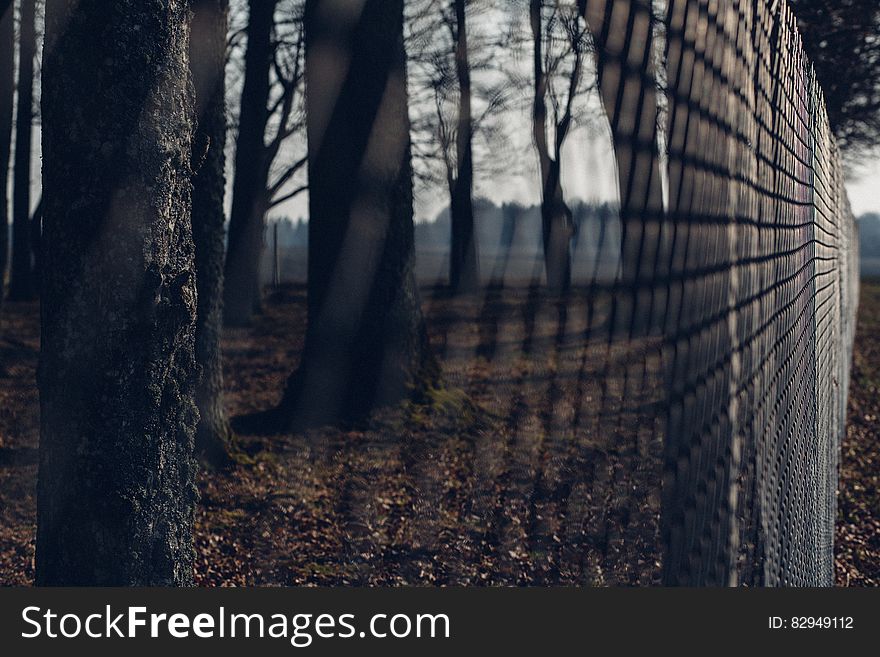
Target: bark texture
(207, 62)
(366, 344)
(249, 198)
(464, 274)
(21, 281)
(117, 369)
(7, 93)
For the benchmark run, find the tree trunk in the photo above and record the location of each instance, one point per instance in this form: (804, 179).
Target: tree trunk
(555, 214)
(7, 94)
(366, 344)
(464, 274)
(117, 368)
(249, 202)
(21, 281)
(207, 62)
(556, 230)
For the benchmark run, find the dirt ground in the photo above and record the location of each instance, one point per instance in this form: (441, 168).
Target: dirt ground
(535, 466)
(858, 504)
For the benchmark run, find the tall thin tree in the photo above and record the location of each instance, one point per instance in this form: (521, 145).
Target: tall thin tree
(457, 103)
(366, 343)
(547, 62)
(7, 102)
(21, 281)
(464, 275)
(249, 202)
(115, 499)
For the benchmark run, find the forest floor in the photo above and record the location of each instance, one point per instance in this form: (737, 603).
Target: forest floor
(534, 466)
(857, 543)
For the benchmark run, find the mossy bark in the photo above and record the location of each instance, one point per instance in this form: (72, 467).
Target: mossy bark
(207, 62)
(117, 370)
(366, 344)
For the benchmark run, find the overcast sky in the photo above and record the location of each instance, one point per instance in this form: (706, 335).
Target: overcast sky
(864, 189)
(589, 175)
(588, 169)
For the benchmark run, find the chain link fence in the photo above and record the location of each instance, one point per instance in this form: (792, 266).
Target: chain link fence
(750, 277)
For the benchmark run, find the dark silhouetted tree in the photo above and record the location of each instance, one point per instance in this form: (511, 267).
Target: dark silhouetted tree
(457, 98)
(21, 280)
(7, 102)
(464, 275)
(249, 205)
(842, 37)
(270, 115)
(266, 173)
(559, 46)
(207, 62)
(117, 367)
(366, 343)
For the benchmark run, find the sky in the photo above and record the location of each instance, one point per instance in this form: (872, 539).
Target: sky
(589, 167)
(588, 170)
(863, 188)
(588, 174)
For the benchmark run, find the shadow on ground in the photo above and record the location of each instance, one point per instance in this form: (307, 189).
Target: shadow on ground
(538, 464)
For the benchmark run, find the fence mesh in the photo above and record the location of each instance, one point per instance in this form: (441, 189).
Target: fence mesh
(749, 277)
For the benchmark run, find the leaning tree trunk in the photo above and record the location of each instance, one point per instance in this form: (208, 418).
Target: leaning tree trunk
(366, 344)
(7, 94)
(21, 281)
(644, 249)
(464, 274)
(117, 368)
(241, 293)
(207, 62)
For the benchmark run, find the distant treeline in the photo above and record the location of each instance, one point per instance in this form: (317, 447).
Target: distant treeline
(513, 228)
(869, 243)
(508, 240)
(510, 226)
